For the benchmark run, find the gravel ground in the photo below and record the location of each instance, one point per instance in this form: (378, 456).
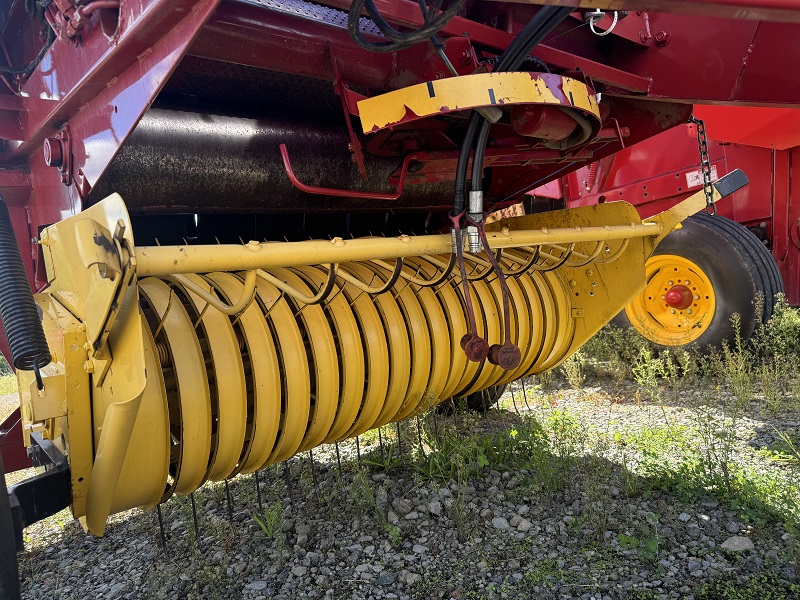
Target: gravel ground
(599, 530)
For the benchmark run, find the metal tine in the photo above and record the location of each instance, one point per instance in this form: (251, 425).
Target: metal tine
(200, 317)
(358, 452)
(258, 493)
(419, 437)
(455, 413)
(230, 503)
(313, 473)
(399, 441)
(380, 442)
(339, 464)
(525, 394)
(288, 477)
(166, 312)
(194, 519)
(514, 399)
(163, 535)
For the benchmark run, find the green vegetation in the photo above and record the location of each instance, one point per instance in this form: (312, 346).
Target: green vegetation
(8, 384)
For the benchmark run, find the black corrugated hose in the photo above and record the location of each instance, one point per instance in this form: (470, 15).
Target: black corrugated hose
(18, 310)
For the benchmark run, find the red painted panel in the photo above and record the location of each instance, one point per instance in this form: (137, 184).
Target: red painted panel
(777, 128)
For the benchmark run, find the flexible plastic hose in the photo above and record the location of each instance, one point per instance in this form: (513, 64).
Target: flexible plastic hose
(18, 311)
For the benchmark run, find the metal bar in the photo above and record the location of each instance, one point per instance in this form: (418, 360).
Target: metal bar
(162, 533)
(258, 494)
(194, 520)
(171, 260)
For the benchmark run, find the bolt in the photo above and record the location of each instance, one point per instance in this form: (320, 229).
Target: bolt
(687, 282)
(672, 311)
(696, 297)
(663, 297)
(663, 38)
(466, 57)
(688, 311)
(670, 282)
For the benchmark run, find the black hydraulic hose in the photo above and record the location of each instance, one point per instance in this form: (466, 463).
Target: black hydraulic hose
(463, 161)
(542, 23)
(18, 310)
(398, 39)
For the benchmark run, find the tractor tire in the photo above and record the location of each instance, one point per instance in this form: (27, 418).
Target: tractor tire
(484, 400)
(700, 276)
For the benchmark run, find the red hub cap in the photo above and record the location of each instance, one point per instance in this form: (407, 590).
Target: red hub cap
(679, 296)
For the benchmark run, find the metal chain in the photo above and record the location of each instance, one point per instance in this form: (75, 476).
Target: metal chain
(705, 164)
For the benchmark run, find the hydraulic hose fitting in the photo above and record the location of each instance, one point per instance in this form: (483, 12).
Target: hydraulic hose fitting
(475, 215)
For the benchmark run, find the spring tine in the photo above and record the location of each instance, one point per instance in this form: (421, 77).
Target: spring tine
(313, 473)
(258, 494)
(163, 535)
(419, 437)
(339, 464)
(399, 443)
(380, 442)
(166, 312)
(202, 312)
(228, 499)
(525, 394)
(514, 399)
(455, 413)
(288, 477)
(358, 452)
(194, 519)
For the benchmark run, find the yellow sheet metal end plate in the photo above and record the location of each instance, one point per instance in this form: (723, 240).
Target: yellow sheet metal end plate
(259, 351)
(187, 360)
(294, 367)
(375, 343)
(350, 391)
(229, 382)
(397, 336)
(146, 464)
(653, 316)
(472, 91)
(322, 357)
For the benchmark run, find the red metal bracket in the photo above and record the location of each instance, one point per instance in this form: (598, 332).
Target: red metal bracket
(323, 191)
(15, 456)
(341, 91)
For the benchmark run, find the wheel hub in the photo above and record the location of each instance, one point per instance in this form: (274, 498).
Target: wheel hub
(679, 296)
(678, 303)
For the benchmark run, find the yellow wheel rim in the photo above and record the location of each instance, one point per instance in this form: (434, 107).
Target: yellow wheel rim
(678, 304)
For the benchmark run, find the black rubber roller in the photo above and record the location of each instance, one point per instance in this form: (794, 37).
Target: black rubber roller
(18, 310)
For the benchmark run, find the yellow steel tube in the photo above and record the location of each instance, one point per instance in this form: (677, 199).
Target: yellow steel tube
(172, 260)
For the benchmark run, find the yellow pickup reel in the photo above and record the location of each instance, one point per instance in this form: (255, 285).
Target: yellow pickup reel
(177, 365)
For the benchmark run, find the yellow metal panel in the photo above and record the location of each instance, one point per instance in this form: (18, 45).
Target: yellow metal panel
(293, 362)
(376, 346)
(144, 472)
(265, 376)
(324, 361)
(473, 91)
(397, 334)
(187, 357)
(230, 383)
(351, 356)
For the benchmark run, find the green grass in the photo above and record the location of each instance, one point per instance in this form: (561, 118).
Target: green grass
(8, 384)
